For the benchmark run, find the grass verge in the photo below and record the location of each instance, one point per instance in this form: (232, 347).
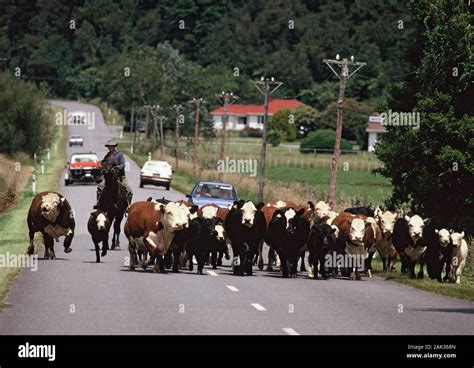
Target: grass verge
(13, 228)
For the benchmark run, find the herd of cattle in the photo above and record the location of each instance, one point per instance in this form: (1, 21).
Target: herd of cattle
(169, 234)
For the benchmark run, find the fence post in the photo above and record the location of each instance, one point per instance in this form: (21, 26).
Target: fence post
(33, 184)
(42, 167)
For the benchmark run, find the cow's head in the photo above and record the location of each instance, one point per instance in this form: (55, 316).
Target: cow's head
(175, 216)
(219, 231)
(101, 220)
(292, 219)
(322, 209)
(248, 213)
(50, 207)
(415, 226)
(357, 231)
(386, 221)
(209, 212)
(326, 233)
(457, 239)
(443, 237)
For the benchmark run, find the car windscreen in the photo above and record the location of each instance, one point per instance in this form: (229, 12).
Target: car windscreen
(83, 158)
(162, 167)
(214, 191)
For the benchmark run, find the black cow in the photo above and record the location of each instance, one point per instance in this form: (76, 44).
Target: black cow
(288, 233)
(437, 255)
(408, 241)
(321, 241)
(246, 227)
(99, 226)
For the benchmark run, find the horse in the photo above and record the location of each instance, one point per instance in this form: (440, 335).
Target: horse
(113, 201)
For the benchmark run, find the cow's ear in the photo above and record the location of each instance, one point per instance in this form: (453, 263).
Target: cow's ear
(260, 205)
(311, 205)
(407, 218)
(160, 226)
(462, 234)
(367, 224)
(333, 229)
(300, 212)
(436, 231)
(426, 221)
(451, 231)
(193, 209)
(162, 208)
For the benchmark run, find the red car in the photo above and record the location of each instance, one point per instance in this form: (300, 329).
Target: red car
(83, 167)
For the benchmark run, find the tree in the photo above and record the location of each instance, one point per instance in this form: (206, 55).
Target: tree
(432, 168)
(322, 140)
(283, 123)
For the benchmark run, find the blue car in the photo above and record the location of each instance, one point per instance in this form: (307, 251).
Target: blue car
(206, 192)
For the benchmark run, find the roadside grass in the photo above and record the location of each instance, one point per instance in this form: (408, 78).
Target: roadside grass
(13, 228)
(465, 290)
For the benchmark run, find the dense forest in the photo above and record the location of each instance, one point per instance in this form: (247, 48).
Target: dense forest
(188, 48)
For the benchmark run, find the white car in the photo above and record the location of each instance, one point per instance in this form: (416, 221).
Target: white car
(156, 173)
(76, 140)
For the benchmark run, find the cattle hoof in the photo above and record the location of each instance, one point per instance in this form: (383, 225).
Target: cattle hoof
(358, 277)
(117, 247)
(270, 269)
(260, 265)
(420, 276)
(30, 250)
(175, 270)
(352, 276)
(97, 261)
(104, 253)
(214, 267)
(369, 273)
(67, 250)
(227, 256)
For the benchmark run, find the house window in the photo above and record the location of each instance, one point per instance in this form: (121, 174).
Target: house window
(242, 120)
(260, 119)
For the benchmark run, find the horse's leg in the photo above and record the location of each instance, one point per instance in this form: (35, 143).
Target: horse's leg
(117, 223)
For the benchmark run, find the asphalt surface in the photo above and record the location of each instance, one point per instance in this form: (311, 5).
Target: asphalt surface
(75, 295)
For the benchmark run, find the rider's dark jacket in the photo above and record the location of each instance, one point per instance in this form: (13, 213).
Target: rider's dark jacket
(115, 158)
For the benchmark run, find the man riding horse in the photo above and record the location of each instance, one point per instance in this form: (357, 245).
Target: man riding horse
(115, 158)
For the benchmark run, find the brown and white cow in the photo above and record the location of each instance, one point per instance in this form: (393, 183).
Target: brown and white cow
(356, 239)
(50, 214)
(150, 226)
(386, 222)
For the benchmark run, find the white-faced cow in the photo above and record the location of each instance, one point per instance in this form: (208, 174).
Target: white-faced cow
(99, 226)
(439, 251)
(50, 214)
(407, 240)
(245, 226)
(356, 238)
(459, 258)
(150, 226)
(386, 222)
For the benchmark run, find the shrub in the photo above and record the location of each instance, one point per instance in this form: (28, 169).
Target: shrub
(322, 140)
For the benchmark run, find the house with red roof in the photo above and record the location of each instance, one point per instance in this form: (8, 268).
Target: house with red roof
(251, 116)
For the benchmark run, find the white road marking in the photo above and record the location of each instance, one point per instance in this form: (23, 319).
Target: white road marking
(212, 273)
(232, 288)
(258, 307)
(290, 331)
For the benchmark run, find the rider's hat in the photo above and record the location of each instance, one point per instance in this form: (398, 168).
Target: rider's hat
(111, 142)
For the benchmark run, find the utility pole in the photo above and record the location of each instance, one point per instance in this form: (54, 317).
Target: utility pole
(178, 109)
(197, 110)
(344, 65)
(266, 86)
(162, 138)
(132, 126)
(226, 98)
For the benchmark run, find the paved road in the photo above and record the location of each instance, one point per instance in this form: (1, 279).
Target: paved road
(74, 295)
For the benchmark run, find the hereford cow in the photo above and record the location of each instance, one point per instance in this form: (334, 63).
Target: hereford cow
(459, 258)
(356, 238)
(407, 240)
(150, 226)
(245, 226)
(50, 214)
(99, 226)
(288, 233)
(366, 211)
(212, 219)
(386, 222)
